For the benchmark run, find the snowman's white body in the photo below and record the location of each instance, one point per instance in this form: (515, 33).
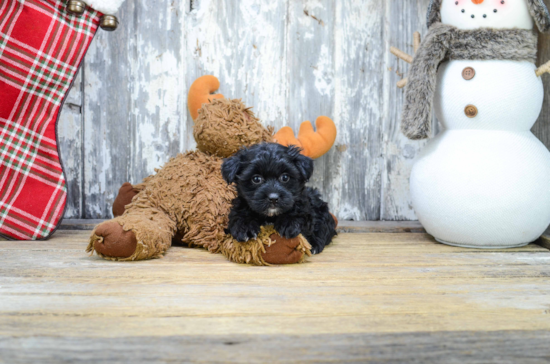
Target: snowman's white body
(485, 181)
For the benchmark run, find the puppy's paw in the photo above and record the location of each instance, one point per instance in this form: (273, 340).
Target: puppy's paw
(316, 249)
(288, 229)
(244, 232)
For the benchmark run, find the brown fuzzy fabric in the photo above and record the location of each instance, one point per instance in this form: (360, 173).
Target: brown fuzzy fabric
(445, 42)
(537, 8)
(188, 196)
(188, 191)
(225, 117)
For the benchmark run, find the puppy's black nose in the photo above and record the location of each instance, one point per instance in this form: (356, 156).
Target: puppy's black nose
(273, 198)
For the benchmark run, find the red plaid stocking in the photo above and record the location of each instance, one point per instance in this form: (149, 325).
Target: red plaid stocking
(41, 48)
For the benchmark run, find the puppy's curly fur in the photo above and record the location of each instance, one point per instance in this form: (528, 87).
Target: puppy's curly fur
(271, 184)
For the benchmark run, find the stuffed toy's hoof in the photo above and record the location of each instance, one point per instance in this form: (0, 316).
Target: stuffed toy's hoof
(283, 251)
(269, 248)
(110, 240)
(125, 195)
(287, 251)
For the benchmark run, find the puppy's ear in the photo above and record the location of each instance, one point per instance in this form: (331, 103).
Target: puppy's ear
(231, 166)
(303, 163)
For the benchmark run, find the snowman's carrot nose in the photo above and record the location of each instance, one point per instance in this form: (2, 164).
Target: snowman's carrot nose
(477, 2)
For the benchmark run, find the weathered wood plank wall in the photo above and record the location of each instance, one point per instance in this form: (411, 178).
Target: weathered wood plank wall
(293, 60)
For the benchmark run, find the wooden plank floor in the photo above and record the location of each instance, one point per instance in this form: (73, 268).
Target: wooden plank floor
(376, 297)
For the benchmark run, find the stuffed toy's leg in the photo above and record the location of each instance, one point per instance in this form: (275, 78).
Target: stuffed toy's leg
(142, 232)
(269, 249)
(125, 195)
(187, 195)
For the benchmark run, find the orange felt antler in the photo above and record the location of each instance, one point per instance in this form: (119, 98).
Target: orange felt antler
(202, 92)
(313, 143)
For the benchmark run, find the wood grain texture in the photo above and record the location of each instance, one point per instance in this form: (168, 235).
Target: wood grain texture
(243, 44)
(69, 133)
(359, 109)
(343, 227)
(405, 290)
(544, 240)
(107, 113)
(134, 101)
(506, 347)
(292, 60)
(542, 127)
(310, 41)
(404, 18)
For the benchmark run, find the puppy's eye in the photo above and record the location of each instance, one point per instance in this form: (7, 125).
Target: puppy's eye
(284, 178)
(257, 180)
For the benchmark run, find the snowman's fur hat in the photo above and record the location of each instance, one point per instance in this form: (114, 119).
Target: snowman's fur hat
(537, 8)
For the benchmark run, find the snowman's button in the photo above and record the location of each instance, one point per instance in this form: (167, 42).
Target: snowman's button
(470, 111)
(468, 73)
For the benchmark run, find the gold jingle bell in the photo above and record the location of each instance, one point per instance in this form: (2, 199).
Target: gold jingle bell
(108, 22)
(76, 7)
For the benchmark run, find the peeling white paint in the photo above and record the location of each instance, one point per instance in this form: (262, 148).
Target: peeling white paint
(323, 74)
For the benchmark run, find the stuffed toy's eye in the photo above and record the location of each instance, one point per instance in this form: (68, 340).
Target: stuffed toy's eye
(284, 178)
(257, 180)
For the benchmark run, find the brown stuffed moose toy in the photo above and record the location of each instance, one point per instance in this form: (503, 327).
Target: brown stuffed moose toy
(187, 200)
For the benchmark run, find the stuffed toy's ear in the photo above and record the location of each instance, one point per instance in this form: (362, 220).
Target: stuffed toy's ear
(231, 166)
(313, 143)
(540, 13)
(202, 92)
(303, 163)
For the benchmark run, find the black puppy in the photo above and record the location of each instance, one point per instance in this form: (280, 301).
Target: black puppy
(271, 184)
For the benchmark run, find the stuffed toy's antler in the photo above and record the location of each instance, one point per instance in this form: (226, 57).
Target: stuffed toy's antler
(313, 143)
(202, 92)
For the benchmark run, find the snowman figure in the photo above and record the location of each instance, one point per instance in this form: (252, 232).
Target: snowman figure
(484, 181)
